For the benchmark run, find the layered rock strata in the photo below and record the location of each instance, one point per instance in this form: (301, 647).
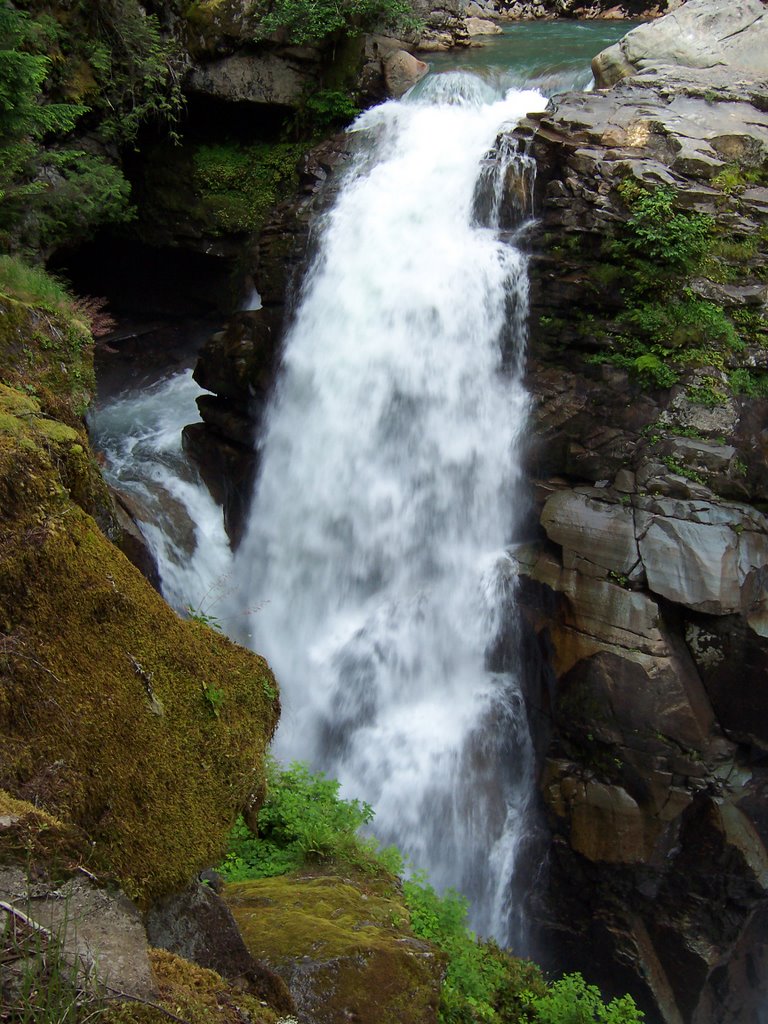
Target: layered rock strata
(649, 586)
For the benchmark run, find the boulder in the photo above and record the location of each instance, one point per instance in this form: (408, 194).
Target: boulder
(482, 27)
(197, 925)
(702, 34)
(98, 932)
(601, 533)
(701, 555)
(343, 948)
(402, 71)
(110, 702)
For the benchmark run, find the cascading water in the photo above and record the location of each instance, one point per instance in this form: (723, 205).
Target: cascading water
(374, 573)
(388, 491)
(140, 437)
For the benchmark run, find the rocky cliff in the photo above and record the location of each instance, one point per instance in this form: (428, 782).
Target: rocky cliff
(648, 587)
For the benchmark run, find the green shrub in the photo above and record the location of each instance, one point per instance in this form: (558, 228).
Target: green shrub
(751, 383)
(241, 184)
(482, 981)
(24, 120)
(326, 109)
(136, 72)
(658, 233)
(572, 1001)
(302, 820)
(303, 22)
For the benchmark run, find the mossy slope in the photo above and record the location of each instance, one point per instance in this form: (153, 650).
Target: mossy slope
(344, 947)
(145, 731)
(197, 995)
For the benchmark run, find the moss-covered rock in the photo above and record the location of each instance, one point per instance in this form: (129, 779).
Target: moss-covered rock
(146, 732)
(344, 946)
(47, 353)
(197, 995)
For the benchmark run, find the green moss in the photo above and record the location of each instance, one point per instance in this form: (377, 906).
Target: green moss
(355, 935)
(239, 185)
(90, 654)
(197, 995)
(42, 844)
(47, 351)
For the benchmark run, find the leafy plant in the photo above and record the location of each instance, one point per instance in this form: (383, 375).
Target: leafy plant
(24, 121)
(302, 22)
(137, 71)
(572, 1001)
(323, 110)
(749, 383)
(240, 184)
(302, 820)
(681, 469)
(204, 618)
(707, 391)
(214, 699)
(660, 233)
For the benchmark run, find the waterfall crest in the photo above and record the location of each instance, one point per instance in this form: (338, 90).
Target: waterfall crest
(388, 491)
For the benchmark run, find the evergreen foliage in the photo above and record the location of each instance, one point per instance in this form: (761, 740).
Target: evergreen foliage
(24, 121)
(50, 191)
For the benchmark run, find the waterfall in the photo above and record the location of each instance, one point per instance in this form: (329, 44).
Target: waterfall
(389, 488)
(139, 435)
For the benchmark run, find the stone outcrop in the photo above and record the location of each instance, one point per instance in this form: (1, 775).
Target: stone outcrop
(699, 35)
(342, 946)
(647, 588)
(252, 78)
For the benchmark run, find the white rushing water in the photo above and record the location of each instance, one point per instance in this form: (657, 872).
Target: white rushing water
(388, 491)
(140, 436)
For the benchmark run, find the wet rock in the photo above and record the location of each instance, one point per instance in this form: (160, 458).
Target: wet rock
(132, 542)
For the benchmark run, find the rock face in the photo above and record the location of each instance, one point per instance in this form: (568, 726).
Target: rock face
(647, 588)
(264, 79)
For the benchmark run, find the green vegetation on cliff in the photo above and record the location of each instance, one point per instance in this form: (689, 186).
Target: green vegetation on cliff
(668, 326)
(239, 185)
(342, 897)
(300, 22)
(52, 190)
